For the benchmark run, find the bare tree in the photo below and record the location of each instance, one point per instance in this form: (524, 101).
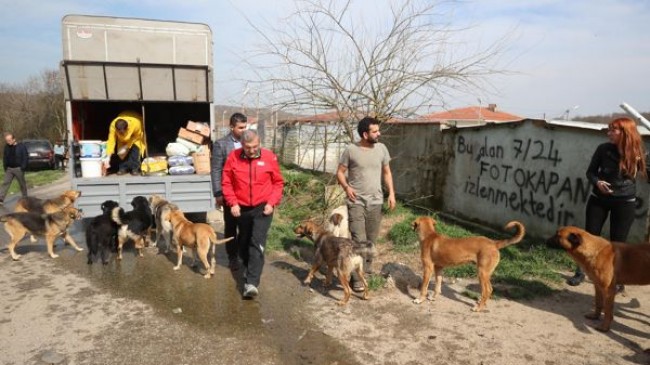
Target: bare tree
(34, 108)
(327, 56)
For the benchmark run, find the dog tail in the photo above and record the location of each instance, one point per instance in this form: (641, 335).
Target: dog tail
(521, 232)
(118, 216)
(223, 240)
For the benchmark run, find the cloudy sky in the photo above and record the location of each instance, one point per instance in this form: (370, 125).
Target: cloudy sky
(586, 56)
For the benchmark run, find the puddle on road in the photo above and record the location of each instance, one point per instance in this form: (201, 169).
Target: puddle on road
(214, 305)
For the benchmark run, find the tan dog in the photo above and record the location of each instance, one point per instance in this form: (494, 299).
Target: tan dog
(47, 206)
(438, 251)
(197, 236)
(49, 226)
(336, 252)
(161, 209)
(606, 264)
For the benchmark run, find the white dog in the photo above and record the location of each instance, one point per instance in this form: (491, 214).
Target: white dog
(337, 223)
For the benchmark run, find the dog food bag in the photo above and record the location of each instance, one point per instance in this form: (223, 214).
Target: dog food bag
(154, 164)
(181, 170)
(173, 161)
(176, 149)
(191, 146)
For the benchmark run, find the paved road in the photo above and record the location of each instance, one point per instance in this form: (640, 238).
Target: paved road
(140, 311)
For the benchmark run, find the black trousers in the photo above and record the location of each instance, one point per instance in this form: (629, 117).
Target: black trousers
(131, 162)
(253, 228)
(621, 217)
(230, 230)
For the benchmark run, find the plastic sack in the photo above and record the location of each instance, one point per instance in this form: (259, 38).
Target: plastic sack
(191, 146)
(176, 149)
(180, 161)
(181, 170)
(154, 164)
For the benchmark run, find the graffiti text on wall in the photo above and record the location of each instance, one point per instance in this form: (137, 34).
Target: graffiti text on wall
(504, 180)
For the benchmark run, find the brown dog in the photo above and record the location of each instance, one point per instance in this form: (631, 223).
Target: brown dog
(197, 236)
(438, 251)
(161, 209)
(336, 252)
(606, 264)
(49, 226)
(47, 206)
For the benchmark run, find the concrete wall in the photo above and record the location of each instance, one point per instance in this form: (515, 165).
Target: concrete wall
(528, 171)
(419, 159)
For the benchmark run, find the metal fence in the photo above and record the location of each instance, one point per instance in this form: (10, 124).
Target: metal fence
(315, 147)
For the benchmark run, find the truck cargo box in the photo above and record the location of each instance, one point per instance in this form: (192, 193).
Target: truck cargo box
(160, 69)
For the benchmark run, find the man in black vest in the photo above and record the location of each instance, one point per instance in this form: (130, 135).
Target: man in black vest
(220, 151)
(15, 163)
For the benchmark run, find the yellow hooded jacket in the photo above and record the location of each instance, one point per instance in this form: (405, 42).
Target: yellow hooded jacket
(134, 134)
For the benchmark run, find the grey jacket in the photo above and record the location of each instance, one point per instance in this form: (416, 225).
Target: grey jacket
(220, 151)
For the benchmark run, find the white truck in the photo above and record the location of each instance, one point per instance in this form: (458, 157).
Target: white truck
(161, 69)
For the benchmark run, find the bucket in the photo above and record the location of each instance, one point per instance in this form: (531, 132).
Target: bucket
(90, 148)
(91, 167)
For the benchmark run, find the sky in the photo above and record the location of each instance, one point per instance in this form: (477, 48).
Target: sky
(584, 56)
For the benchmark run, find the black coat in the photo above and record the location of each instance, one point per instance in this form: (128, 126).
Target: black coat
(20, 155)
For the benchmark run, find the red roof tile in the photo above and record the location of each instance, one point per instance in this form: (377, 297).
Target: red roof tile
(471, 113)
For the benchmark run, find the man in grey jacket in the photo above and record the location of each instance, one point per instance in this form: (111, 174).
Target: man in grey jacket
(220, 151)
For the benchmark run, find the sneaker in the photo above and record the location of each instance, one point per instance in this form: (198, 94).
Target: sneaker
(250, 291)
(121, 172)
(576, 279)
(135, 173)
(2, 203)
(620, 289)
(355, 283)
(233, 263)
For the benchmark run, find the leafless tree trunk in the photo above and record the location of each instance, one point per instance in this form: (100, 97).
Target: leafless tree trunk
(35, 108)
(327, 56)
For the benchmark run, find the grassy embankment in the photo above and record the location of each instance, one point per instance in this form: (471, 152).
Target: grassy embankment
(526, 270)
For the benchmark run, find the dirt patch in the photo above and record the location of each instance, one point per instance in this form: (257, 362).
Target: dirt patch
(390, 329)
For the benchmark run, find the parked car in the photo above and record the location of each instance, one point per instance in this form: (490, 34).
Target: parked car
(41, 154)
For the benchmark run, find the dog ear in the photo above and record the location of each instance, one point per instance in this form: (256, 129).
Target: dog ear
(103, 206)
(336, 219)
(574, 239)
(415, 225)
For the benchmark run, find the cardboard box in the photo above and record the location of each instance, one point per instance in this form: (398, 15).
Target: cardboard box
(191, 136)
(202, 161)
(198, 127)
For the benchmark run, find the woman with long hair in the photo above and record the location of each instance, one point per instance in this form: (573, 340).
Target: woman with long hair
(613, 171)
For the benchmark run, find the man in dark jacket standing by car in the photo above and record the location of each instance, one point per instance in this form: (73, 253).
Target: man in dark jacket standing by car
(252, 188)
(220, 151)
(15, 163)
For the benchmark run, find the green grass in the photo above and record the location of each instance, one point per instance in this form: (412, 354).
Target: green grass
(524, 272)
(34, 178)
(527, 270)
(375, 282)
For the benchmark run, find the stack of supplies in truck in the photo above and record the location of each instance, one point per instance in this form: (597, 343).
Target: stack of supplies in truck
(194, 135)
(180, 164)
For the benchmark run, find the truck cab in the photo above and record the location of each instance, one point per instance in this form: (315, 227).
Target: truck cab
(161, 69)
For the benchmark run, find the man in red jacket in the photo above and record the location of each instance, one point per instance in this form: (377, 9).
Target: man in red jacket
(252, 188)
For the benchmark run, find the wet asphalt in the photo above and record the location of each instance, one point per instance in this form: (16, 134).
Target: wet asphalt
(275, 326)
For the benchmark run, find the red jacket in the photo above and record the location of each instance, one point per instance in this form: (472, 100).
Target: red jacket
(252, 181)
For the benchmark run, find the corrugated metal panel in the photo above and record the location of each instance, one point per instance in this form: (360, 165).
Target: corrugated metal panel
(192, 193)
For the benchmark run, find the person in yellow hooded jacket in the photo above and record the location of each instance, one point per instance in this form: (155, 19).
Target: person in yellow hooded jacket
(126, 140)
